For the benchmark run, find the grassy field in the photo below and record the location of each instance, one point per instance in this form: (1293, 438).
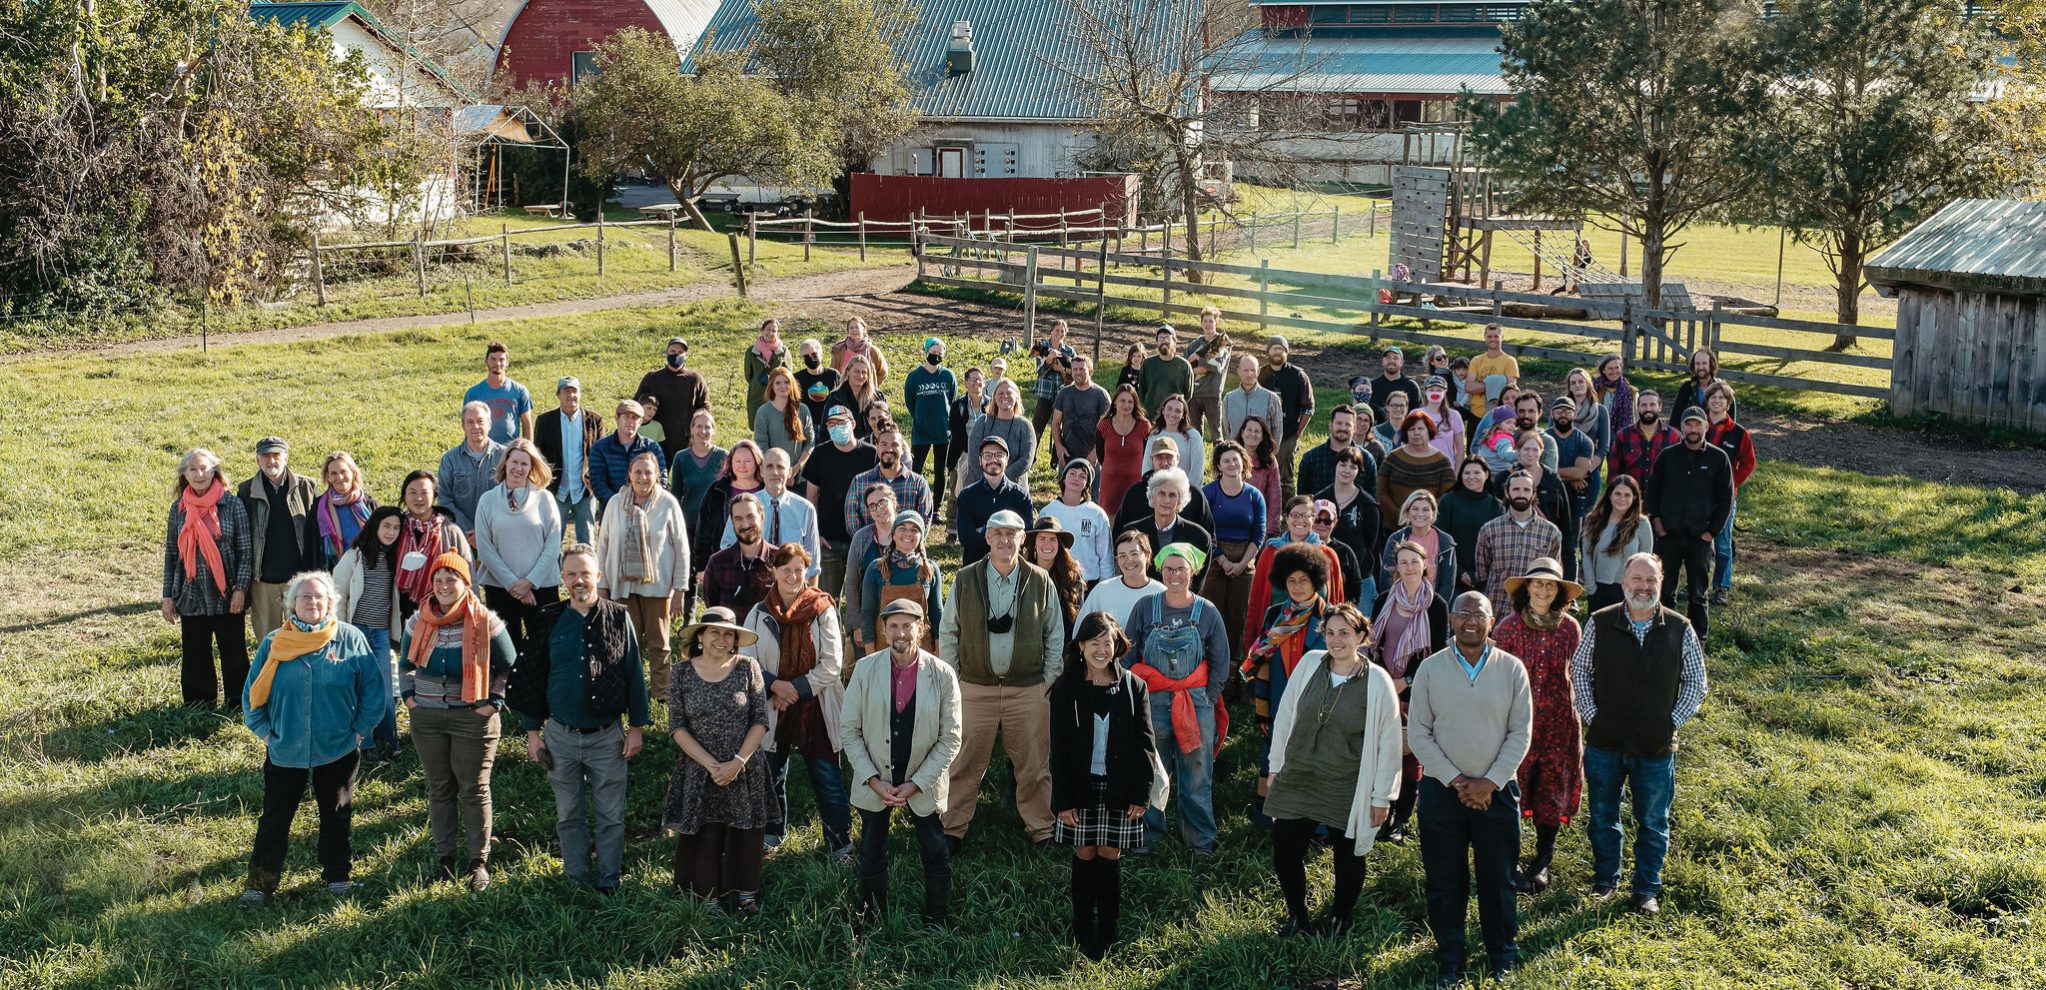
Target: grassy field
(1860, 802)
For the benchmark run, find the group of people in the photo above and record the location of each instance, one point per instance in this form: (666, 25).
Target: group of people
(1188, 558)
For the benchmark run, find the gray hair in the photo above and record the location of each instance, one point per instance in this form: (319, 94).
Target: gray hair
(483, 407)
(1169, 476)
(580, 549)
(196, 453)
(320, 579)
(1647, 558)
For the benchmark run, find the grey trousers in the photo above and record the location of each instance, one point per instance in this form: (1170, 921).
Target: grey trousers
(457, 748)
(589, 781)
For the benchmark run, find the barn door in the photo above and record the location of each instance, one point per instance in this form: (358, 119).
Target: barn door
(951, 162)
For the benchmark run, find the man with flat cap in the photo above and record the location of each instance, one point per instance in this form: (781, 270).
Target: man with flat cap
(1005, 633)
(992, 493)
(900, 728)
(280, 507)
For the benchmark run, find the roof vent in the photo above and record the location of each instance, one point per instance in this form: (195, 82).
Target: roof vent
(959, 51)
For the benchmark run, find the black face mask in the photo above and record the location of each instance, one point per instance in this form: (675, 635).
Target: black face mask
(811, 361)
(675, 360)
(935, 359)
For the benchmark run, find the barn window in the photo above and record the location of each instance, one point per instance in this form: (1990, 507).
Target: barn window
(581, 64)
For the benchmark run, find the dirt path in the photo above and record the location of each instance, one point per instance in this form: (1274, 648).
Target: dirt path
(848, 284)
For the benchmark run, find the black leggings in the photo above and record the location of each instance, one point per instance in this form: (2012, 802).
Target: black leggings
(198, 635)
(1290, 837)
(917, 453)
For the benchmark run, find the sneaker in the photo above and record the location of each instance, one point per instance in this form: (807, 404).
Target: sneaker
(844, 856)
(770, 844)
(1502, 973)
(252, 899)
(1719, 595)
(1603, 891)
(1645, 904)
(479, 876)
(447, 867)
(748, 904)
(340, 888)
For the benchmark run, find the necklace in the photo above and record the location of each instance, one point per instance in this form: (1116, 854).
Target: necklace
(1335, 699)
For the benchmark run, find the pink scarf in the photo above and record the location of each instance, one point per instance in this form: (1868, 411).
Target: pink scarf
(1414, 633)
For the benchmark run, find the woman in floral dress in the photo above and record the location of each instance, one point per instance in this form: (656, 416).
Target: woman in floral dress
(1543, 635)
(719, 799)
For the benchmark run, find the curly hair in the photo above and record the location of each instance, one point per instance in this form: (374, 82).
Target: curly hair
(1298, 558)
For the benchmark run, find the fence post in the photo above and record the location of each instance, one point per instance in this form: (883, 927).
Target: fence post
(752, 236)
(1371, 297)
(1100, 293)
(1627, 336)
(671, 240)
(1029, 296)
(916, 247)
(1296, 230)
(1012, 225)
(1264, 271)
(809, 232)
(1496, 306)
(863, 235)
(1623, 254)
(600, 240)
(1143, 237)
(202, 326)
(1214, 227)
(738, 270)
(1253, 232)
(1335, 227)
(1373, 227)
(504, 231)
(319, 273)
(1165, 308)
(419, 260)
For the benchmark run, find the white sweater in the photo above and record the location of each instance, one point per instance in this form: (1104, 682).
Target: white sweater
(523, 544)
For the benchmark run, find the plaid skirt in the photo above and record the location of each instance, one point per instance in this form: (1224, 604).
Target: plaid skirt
(1101, 825)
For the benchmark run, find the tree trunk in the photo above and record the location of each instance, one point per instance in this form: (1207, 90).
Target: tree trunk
(1651, 263)
(1190, 204)
(1847, 286)
(688, 202)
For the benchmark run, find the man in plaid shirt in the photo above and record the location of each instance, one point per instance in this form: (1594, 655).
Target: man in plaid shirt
(1638, 675)
(1510, 544)
(912, 492)
(1635, 446)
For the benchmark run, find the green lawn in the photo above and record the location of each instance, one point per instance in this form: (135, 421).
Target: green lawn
(1859, 802)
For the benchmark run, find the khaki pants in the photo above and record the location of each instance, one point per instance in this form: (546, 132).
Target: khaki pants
(1205, 414)
(1023, 717)
(266, 611)
(650, 614)
(1289, 448)
(457, 749)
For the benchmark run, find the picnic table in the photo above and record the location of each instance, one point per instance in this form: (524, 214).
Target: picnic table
(658, 211)
(546, 209)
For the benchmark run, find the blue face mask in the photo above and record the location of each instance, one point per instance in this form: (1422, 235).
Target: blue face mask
(841, 433)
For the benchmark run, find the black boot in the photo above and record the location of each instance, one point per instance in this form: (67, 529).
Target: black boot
(1533, 878)
(1083, 905)
(1107, 904)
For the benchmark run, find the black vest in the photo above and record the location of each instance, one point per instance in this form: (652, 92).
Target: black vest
(1634, 683)
(606, 634)
(901, 731)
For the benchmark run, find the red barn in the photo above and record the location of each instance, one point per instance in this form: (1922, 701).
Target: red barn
(555, 41)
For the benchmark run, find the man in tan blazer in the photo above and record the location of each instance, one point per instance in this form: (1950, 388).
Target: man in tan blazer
(900, 729)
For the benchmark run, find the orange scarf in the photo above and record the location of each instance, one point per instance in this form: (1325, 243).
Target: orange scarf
(475, 620)
(288, 643)
(200, 535)
(1186, 721)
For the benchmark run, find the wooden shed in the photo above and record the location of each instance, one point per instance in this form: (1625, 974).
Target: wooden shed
(1970, 285)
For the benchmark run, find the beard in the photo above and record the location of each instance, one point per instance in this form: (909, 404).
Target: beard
(1525, 422)
(1641, 603)
(749, 535)
(1522, 504)
(890, 460)
(1649, 418)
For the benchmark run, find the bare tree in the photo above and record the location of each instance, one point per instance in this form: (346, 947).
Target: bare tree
(1176, 87)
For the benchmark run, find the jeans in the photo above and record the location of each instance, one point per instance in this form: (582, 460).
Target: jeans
(386, 735)
(918, 452)
(1654, 786)
(582, 512)
(827, 785)
(1193, 779)
(1693, 557)
(198, 635)
(1454, 840)
(1365, 595)
(589, 781)
(1722, 552)
(873, 865)
(283, 791)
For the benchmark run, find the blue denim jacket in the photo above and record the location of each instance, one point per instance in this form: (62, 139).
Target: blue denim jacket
(321, 704)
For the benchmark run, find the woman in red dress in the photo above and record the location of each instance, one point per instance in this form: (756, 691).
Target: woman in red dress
(1543, 635)
(1120, 441)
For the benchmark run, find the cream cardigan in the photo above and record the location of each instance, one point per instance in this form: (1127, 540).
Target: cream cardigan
(666, 539)
(1378, 767)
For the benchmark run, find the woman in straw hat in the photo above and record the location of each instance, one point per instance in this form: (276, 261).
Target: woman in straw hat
(1541, 632)
(1051, 547)
(720, 798)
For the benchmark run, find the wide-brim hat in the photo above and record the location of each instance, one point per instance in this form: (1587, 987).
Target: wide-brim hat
(1546, 568)
(1050, 524)
(716, 617)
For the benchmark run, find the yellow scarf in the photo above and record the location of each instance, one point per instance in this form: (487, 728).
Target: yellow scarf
(288, 643)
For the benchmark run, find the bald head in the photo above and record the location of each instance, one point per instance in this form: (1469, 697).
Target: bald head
(1470, 618)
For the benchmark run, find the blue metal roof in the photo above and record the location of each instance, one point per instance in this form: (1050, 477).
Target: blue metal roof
(1015, 43)
(309, 15)
(1434, 63)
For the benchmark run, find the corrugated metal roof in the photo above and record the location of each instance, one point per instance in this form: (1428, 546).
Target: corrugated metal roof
(309, 15)
(1433, 63)
(1983, 244)
(1015, 42)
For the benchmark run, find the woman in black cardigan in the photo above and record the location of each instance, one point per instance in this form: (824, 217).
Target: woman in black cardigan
(1412, 624)
(1101, 772)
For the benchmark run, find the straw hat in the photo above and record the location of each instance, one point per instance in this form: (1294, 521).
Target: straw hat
(715, 617)
(1546, 568)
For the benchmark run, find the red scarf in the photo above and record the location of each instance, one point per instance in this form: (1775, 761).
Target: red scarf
(798, 649)
(424, 537)
(200, 535)
(1186, 720)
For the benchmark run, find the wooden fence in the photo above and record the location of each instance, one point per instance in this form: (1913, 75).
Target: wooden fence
(419, 246)
(1650, 338)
